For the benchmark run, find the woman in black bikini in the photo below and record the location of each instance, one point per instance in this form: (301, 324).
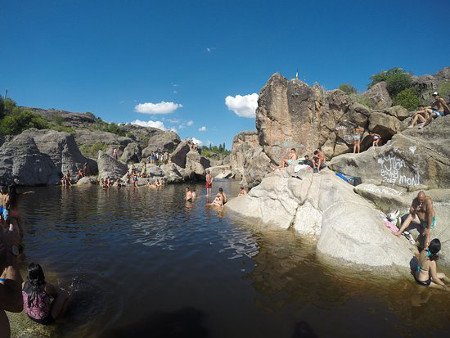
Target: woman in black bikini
(426, 273)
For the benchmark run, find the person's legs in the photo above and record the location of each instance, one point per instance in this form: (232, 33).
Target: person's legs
(354, 147)
(405, 224)
(59, 306)
(442, 276)
(358, 146)
(437, 286)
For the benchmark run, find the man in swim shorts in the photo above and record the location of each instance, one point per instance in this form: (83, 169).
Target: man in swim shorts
(209, 181)
(421, 209)
(439, 106)
(292, 159)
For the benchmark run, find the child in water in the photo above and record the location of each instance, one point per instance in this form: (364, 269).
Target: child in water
(42, 302)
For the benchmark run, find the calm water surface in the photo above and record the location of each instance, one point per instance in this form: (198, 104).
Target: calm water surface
(141, 262)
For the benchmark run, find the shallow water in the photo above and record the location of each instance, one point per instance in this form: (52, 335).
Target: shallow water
(141, 262)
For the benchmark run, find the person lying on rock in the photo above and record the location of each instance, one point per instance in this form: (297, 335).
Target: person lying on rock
(421, 210)
(439, 107)
(426, 273)
(318, 160)
(421, 116)
(307, 161)
(291, 159)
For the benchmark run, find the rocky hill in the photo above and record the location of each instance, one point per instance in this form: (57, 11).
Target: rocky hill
(291, 114)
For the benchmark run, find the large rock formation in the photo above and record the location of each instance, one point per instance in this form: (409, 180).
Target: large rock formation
(196, 166)
(62, 149)
(179, 154)
(324, 208)
(378, 96)
(21, 162)
(412, 158)
(132, 153)
(110, 167)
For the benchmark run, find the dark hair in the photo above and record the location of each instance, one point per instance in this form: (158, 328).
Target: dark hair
(293, 149)
(36, 280)
(316, 152)
(306, 156)
(3, 189)
(220, 189)
(434, 248)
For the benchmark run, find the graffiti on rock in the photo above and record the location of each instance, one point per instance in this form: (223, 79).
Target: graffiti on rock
(395, 171)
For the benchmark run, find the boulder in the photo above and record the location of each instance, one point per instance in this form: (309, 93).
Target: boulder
(162, 141)
(108, 166)
(378, 96)
(87, 180)
(384, 124)
(179, 155)
(62, 149)
(132, 153)
(22, 163)
(196, 165)
(173, 173)
(217, 170)
(412, 158)
(325, 208)
(397, 111)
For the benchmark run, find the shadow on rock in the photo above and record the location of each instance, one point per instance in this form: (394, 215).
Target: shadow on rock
(186, 322)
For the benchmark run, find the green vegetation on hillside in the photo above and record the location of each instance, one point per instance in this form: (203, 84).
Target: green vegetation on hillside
(14, 120)
(348, 88)
(91, 150)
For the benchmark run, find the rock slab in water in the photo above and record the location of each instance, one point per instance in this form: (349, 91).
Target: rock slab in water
(324, 207)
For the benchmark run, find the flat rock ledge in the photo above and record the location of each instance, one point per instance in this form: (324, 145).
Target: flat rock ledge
(345, 226)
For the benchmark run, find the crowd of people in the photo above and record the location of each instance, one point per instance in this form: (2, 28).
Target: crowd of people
(40, 300)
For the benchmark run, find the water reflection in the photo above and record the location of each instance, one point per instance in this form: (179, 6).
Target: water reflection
(141, 260)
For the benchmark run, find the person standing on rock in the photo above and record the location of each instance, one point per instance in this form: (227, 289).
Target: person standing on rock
(357, 134)
(421, 209)
(376, 138)
(115, 153)
(439, 106)
(209, 181)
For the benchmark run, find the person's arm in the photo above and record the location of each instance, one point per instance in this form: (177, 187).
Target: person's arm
(434, 275)
(429, 215)
(444, 104)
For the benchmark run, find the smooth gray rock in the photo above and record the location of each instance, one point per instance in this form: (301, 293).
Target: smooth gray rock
(324, 208)
(22, 163)
(179, 154)
(108, 166)
(379, 96)
(132, 153)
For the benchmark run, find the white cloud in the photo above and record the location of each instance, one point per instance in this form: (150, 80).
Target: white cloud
(189, 123)
(150, 123)
(157, 108)
(197, 141)
(202, 128)
(243, 106)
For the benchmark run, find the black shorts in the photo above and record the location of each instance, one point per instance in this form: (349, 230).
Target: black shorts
(44, 321)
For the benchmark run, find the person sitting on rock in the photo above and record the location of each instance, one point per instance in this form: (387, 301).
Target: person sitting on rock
(422, 115)
(307, 161)
(4, 202)
(421, 209)
(439, 107)
(426, 273)
(290, 160)
(85, 169)
(43, 303)
(242, 191)
(80, 174)
(357, 134)
(318, 160)
(10, 285)
(376, 138)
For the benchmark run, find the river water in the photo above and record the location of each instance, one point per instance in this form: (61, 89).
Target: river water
(141, 262)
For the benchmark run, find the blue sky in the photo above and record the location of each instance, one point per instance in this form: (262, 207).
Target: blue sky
(108, 57)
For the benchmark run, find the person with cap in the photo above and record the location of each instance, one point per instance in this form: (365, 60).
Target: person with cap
(439, 106)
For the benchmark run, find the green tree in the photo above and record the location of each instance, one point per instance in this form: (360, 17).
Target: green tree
(347, 88)
(407, 98)
(396, 80)
(2, 108)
